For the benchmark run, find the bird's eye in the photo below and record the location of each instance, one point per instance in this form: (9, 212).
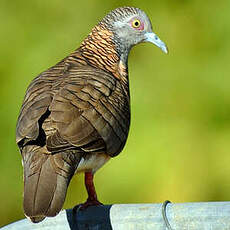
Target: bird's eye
(136, 23)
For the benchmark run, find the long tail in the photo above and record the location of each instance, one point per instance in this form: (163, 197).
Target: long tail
(46, 178)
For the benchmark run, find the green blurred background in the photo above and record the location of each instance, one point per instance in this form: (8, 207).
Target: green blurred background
(178, 147)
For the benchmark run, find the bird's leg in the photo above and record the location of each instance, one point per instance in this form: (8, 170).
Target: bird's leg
(92, 195)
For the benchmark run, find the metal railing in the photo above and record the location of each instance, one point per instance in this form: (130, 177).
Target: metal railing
(181, 216)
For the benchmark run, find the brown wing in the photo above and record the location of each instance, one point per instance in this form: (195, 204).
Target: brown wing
(36, 102)
(83, 115)
(85, 108)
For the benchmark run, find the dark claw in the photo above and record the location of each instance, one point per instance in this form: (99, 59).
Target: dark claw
(85, 205)
(89, 203)
(76, 208)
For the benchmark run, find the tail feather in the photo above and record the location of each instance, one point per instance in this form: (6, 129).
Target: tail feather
(46, 178)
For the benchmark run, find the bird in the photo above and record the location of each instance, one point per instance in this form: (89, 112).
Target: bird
(75, 116)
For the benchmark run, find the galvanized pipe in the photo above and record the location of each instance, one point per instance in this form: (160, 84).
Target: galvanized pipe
(182, 216)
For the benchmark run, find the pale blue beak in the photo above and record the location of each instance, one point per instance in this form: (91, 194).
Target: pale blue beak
(153, 38)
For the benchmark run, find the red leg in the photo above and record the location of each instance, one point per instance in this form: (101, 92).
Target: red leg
(92, 195)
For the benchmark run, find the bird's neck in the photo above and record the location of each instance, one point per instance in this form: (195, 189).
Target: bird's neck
(100, 51)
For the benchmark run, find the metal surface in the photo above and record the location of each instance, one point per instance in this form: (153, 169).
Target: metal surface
(184, 216)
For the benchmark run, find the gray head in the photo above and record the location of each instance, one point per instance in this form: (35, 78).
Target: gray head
(131, 26)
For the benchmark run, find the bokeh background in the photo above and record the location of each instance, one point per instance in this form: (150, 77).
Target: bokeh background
(179, 142)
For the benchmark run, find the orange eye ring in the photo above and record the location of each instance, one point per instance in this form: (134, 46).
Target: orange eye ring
(136, 23)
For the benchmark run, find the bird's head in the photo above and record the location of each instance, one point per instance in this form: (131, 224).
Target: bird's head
(108, 45)
(131, 26)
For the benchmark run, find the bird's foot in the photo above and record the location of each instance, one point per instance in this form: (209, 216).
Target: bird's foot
(85, 205)
(89, 203)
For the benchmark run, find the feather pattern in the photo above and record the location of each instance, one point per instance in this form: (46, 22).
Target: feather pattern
(73, 109)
